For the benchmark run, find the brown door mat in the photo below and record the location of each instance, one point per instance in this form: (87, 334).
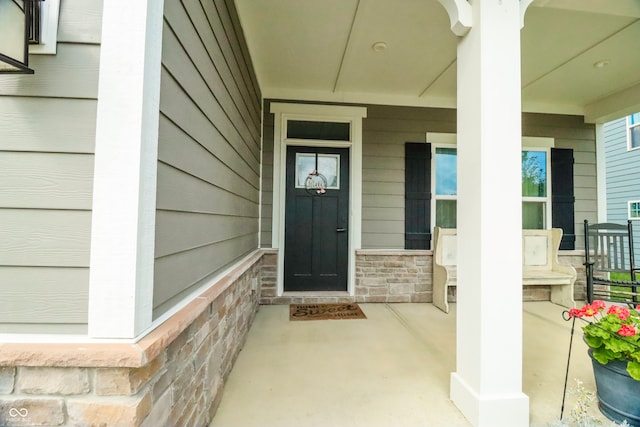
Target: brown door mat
(325, 311)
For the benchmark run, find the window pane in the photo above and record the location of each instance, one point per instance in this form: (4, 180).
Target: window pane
(533, 215)
(305, 164)
(534, 174)
(446, 213)
(634, 119)
(634, 133)
(328, 131)
(634, 210)
(329, 166)
(446, 172)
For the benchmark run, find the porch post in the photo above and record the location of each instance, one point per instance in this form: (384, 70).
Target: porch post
(601, 174)
(487, 385)
(126, 155)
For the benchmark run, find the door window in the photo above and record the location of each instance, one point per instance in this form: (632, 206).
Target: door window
(326, 166)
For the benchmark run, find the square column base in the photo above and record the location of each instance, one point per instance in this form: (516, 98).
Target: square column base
(493, 410)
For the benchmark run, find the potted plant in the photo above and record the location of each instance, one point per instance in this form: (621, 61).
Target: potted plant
(612, 334)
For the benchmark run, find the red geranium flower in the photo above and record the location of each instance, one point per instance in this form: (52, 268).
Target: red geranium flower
(575, 312)
(621, 312)
(627, 331)
(589, 310)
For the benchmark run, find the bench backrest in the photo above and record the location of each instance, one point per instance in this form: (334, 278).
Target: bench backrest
(445, 246)
(539, 247)
(609, 247)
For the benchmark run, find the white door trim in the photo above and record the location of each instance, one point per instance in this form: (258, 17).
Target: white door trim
(328, 113)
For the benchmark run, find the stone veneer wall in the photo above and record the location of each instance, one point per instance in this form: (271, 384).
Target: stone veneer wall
(173, 376)
(381, 276)
(400, 276)
(394, 276)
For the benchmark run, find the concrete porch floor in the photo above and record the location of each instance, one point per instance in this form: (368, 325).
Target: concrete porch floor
(391, 369)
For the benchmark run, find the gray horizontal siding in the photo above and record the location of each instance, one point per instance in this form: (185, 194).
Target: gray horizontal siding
(623, 176)
(385, 131)
(46, 158)
(71, 73)
(27, 294)
(209, 149)
(80, 21)
(571, 132)
(63, 125)
(42, 237)
(46, 180)
(181, 270)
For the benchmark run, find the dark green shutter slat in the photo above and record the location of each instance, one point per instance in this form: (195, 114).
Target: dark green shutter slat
(417, 185)
(562, 192)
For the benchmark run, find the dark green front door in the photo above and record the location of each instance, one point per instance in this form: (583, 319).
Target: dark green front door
(316, 219)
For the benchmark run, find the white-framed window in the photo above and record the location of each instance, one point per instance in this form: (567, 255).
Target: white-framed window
(634, 209)
(324, 166)
(445, 185)
(536, 190)
(633, 131)
(49, 15)
(536, 186)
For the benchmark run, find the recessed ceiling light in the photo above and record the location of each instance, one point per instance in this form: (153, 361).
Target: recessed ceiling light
(379, 46)
(601, 64)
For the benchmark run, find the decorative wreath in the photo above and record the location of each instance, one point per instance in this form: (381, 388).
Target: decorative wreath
(316, 183)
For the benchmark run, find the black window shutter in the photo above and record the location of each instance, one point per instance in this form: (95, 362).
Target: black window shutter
(562, 200)
(417, 200)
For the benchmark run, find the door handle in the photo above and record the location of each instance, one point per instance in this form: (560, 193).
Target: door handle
(341, 230)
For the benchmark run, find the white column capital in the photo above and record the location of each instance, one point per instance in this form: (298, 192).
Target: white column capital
(524, 5)
(460, 15)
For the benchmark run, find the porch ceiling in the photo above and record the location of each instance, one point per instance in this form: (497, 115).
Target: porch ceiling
(324, 50)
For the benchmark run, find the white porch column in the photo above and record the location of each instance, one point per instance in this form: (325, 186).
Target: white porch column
(601, 173)
(487, 386)
(126, 153)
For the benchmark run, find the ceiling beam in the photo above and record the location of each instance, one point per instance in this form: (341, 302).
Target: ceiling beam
(629, 8)
(347, 47)
(614, 106)
(442, 73)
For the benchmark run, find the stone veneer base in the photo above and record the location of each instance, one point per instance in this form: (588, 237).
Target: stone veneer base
(390, 276)
(172, 376)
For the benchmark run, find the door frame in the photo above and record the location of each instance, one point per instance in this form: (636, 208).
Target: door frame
(326, 113)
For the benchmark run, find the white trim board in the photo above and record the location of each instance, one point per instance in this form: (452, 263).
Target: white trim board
(49, 15)
(337, 113)
(527, 141)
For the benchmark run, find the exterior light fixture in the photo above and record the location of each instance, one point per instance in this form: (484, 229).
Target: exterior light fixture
(379, 46)
(17, 26)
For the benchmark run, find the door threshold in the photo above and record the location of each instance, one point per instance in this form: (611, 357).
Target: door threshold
(316, 294)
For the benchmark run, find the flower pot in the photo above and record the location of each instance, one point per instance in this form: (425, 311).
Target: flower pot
(618, 393)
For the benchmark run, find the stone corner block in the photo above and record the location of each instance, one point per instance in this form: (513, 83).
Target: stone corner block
(125, 381)
(123, 411)
(31, 412)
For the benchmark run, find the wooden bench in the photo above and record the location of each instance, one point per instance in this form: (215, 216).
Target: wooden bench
(540, 265)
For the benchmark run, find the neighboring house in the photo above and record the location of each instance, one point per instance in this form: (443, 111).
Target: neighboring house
(160, 175)
(622, 142)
